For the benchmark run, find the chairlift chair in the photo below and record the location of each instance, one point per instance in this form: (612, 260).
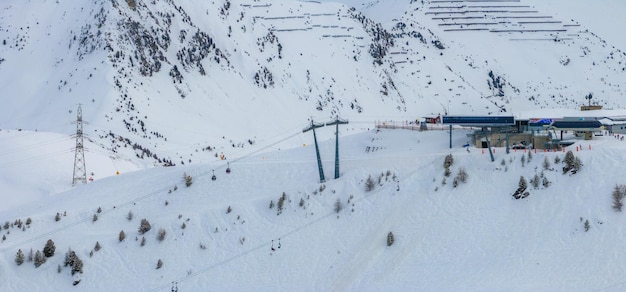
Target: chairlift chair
(213, 177)
(228, 167)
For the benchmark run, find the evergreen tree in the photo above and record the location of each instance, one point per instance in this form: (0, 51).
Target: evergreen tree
(546, 163)
(569, 161)
(618, 195)
(49, 249)
(144, 226)
(73, 261)
(369, 184)
(390, 238)
(19, 257)
(338, 206)
(448, 161)
(39, 259)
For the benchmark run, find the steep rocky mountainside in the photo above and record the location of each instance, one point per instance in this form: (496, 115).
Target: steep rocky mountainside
(274, 65)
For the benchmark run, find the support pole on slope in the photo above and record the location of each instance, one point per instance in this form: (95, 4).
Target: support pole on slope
(314, 126)
(336, 122)
(489, 147)
(80, 172)
(450, 136)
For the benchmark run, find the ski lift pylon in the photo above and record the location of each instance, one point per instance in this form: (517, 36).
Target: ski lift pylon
(228, 167)
(213, 177)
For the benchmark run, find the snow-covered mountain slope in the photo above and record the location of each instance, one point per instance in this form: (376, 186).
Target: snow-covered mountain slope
(210, 85)
(185, 81)
(219, 235)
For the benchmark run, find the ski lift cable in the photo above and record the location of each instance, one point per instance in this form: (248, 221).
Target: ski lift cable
(36, 157)
(37, 145)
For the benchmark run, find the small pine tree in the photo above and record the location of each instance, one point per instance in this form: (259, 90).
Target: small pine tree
(521, 193)
(49, 248)
(522, 183)
(39, 259)
(369, 184)
(183, 226)
(57, 217)
(462, 175)
(28, 221)
(159, 264)
(447, 172)
(121, 236)
(99, 210)
(530, 155)
(144, 226)
(301, 203)
(618, 195)
(31, 255)
(390, 238)
(546, 163)
(448, 161)
(97, 247)
(188, 180)
(271, 204)
(535, 181)
(72, 260)
(338, 206)
(523, 160)
(281, 203)
(577, 165)
(143, 241)
(569, 162)
(19, 257)
(161, 234)
(557, 159)
(130, 216)
(546, 183)
(587, 226)
(228, 210)
(95, 217)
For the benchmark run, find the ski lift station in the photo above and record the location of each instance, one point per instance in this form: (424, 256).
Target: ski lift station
(520, 133)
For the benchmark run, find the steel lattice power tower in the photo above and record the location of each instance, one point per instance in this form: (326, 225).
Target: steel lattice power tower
(80, 172)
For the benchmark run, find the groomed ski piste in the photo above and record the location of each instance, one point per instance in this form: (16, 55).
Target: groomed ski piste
(474, 236)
